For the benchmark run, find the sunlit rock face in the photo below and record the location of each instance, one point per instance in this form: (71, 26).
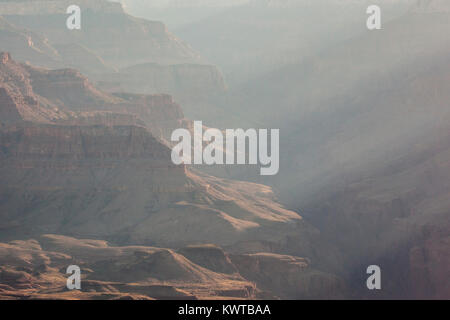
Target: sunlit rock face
(159, 62)
(98, 165)
(150, 40)
(35, 269)
(85, 152)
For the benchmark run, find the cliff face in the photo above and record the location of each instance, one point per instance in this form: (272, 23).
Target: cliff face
(69, 88)
(158, 63)
(105, 136)
(100, 172)
(9, 111)
(187, 82)
(35, 269)
(28, 46)
(19, 101)
(294, 277)
(118, 182)
(159, 112)
(106, 30)
(67, 97)
(54, 143)
(102, 118)
(101, 48)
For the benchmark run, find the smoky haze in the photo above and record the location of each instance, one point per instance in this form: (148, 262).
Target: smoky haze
(86, 124)
(362, 114)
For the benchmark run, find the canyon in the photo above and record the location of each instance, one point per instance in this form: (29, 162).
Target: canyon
(88, 179)
(30, 31)
(365, 150)
(79, 162)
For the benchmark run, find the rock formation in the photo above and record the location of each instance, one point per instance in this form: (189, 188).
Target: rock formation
(104, 22)
(172, 66)
(186, 82)
(35, 269)
(78, 161)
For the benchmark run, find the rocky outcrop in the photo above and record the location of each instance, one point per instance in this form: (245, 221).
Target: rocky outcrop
(53, 143)
(282, 276)
(35, 269)
(158, 63)
(73, 55)
(19, 101)
(69, 88)
(93, 166)
(288, 277)
(153, 108)
(119, 183)
(9, 111)
(65, 96)
(210, 256)
(159, 112)
(28, 46)
(102, 118)
(108, 176)
(103, 24)
(187, 82)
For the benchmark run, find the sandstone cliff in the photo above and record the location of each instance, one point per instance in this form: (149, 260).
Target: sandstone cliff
(32, 47)
(159, 62)
(104, 149)
(66, 96)
(119, 183)
(35, 269)
(106, 30)
(18, 100)
(187, 82)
